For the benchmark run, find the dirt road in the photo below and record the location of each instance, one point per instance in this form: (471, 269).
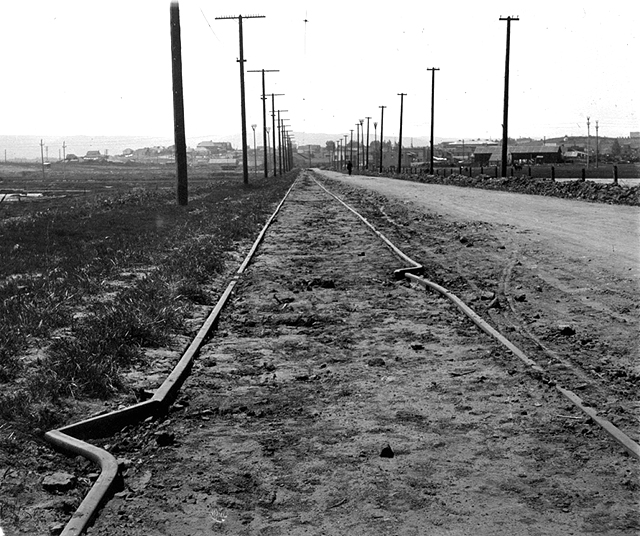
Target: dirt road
(335, 400)
(592, 232)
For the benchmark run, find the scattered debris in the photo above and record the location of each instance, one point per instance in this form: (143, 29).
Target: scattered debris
(387, 452)
(59, 482)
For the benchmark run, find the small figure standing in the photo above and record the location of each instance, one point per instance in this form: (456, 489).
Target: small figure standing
(349, 166)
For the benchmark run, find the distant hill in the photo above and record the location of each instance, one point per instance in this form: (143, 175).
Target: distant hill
(28, 147)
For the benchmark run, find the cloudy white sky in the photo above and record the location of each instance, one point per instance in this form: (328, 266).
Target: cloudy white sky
(103, 68)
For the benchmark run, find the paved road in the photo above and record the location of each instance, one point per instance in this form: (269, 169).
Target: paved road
(608, 235)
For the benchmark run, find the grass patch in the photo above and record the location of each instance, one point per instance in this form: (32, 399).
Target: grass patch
(67, 285)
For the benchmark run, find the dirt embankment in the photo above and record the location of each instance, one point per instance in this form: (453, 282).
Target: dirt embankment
(576, 189)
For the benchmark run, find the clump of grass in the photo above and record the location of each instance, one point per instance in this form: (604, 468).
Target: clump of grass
(88, 362)
(25, 405)
(30, 307)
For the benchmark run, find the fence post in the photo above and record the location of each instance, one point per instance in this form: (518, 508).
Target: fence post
(553, 173)
(615, 174)
(584, 174)
(496, 172)
(529, 170)
(481, 170)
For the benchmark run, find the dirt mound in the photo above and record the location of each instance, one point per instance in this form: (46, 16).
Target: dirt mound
(609, 193)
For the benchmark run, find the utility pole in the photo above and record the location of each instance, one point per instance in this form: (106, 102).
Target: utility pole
(273, 127)
(588, 141)
(400, 142)
(64, 160)
(381, 134)
(375, 138)
(243, 112)
(597, 144)
(366, 166)
(178, 106)
(505, 117)
(362, 136)
(351, 148)
(280, 140)
(433, 90)
(255, 151)
(264, 117)
(358, 145)
(42, 156)
(344, 149)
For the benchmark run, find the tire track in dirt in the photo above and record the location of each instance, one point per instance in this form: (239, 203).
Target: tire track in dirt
(321, 362)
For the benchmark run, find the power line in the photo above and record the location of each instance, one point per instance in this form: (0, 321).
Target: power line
(210, 28)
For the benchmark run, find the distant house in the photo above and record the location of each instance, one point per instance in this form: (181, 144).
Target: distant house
(93, 156)
(215, 147)
(575, 155)
(313, 150)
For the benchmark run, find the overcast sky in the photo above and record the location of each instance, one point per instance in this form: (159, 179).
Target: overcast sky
(104, 68)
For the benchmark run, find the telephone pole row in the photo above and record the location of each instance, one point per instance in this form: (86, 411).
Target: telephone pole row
(264, 117)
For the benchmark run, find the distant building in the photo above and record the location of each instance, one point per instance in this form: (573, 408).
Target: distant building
(464, 149)
(575, 155)
(532, 154)
(314, 150)
(93, 156)
(215, 147)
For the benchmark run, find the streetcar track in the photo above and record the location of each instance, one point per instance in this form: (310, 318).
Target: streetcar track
(614, 432)
(80, 521)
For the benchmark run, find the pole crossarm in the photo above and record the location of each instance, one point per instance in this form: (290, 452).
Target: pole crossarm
(241, 17)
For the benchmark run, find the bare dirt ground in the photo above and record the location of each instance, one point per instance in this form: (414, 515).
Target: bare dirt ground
(336, 400)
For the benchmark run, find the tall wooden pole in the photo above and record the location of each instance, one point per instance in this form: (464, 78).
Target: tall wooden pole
(358, 145)
(433, 90)
(381, 135)
(505, 118)
(178, 106)
(400, 141)
(42, 158)
(366, 166)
